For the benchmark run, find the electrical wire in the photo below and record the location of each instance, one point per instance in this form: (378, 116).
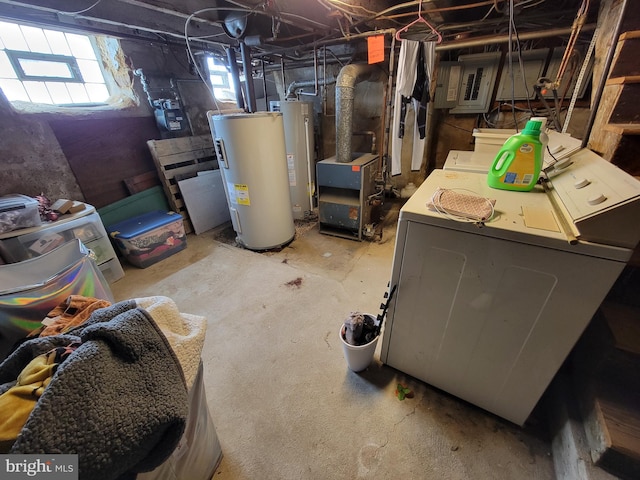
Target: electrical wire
(555, 160)
(383, 14)
(503, 124)
(436, 205)
(491, 9)
(335, 4)
(80, 11)
(521, 64)
(255, 9)
(190, 52)
(535, 4)
(192, 57)
(514, 31)
(510, 57)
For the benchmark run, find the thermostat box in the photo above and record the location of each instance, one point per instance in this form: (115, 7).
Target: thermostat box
(148, 238)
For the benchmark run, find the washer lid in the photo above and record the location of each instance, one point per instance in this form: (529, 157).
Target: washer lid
(601, 200)
(525, 217)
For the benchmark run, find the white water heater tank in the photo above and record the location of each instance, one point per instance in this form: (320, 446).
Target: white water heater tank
(252, 158)
(298, 134)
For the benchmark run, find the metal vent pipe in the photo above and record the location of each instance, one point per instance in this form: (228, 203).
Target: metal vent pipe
(348, 77)
(250, 95)
(235, 75)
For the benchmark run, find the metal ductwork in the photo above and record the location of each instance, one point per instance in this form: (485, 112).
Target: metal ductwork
(347, 79)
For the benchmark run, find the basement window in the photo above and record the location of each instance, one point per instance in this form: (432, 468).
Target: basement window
(221, 80)
(50, 67)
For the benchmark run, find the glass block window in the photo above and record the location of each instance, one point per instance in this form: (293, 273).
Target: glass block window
(51, 67)
(221, 80)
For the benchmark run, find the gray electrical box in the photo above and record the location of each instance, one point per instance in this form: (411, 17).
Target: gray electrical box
(533, 62)
(479, 73)
(447, 85)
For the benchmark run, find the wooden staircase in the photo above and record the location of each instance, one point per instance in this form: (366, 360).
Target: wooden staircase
(616, 129)
(606, 361)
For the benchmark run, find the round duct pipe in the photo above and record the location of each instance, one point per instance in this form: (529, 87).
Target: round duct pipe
(245, 52)
(235, 75)
(347, 79)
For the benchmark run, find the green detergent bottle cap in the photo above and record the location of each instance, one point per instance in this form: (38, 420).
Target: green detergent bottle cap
(532, 127)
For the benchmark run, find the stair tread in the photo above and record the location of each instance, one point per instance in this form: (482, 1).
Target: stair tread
(629, 34)
(623, 80)
(624, 128)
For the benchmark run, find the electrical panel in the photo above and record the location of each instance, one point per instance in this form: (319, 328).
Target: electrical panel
(479, 72)
(533, 63)
(447, 85)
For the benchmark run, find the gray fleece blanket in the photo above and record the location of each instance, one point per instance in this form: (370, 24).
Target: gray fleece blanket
(119, 400)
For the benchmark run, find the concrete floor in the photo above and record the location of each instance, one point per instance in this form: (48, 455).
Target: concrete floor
(284, 403)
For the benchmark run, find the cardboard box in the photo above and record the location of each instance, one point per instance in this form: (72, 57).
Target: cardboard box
(67, 206)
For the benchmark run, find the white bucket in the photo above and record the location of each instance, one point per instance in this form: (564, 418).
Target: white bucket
(358, 357)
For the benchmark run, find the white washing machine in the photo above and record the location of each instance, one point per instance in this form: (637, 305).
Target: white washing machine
(488, 312)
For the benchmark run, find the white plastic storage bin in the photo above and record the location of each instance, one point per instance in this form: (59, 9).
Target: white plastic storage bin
(18, 211)
(86, 226)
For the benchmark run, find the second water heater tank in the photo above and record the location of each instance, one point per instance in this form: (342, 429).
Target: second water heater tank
(300, 144)
(252, 158)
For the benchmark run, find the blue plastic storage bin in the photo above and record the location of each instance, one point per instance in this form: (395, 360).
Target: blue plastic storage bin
(146, 239)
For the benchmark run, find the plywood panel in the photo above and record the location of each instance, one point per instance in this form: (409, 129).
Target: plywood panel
(103, 152)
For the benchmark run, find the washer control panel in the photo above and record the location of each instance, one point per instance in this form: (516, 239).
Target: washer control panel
(601, 199)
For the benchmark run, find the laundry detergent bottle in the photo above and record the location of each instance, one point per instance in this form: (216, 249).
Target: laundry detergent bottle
(518, 163)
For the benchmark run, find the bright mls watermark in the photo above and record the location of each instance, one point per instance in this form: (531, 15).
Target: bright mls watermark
(50, 467)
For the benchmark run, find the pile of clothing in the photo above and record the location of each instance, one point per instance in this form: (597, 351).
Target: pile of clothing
(108, 382)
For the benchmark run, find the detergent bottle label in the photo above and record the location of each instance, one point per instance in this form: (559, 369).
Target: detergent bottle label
(520, 171)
